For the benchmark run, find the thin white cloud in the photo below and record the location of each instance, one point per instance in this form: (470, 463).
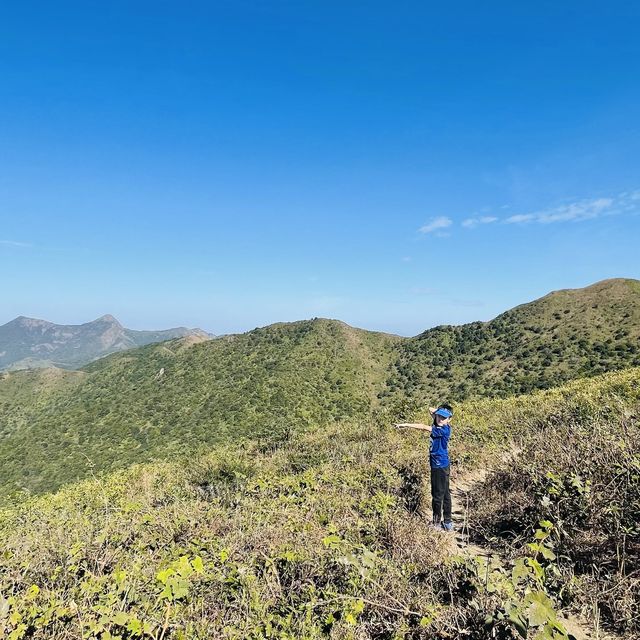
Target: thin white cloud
(13, 243)
(521, 217)
(441, 222)
(587, 209)
(470, 223)
(580, 210)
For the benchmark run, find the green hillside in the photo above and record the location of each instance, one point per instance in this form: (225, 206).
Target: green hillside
(565, 335)
(35, 386)
(325, 536)
(25, 393)
(176, 397)
(162, 400)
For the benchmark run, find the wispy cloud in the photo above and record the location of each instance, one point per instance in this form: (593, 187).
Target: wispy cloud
(441, 222)
(521, 217)
(576, 211)
(626, 202)
(572, 212)
(13, 243)
(470, 223)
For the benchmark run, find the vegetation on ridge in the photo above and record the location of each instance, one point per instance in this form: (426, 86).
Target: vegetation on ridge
(163, 400)
(566, 335)
(176, 397)
(578, 468)
(322, 535)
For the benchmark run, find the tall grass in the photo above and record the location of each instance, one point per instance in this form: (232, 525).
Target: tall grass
(579, 468)
(313, 535)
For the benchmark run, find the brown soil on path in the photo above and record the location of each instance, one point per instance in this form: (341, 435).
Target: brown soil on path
(460, 493)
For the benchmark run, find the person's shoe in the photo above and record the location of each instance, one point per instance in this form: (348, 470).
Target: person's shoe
(436, 526)
(447, 526)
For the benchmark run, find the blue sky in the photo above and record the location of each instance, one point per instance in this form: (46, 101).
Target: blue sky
(394, 165)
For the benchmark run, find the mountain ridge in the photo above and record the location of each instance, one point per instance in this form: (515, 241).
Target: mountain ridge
(565, 334)
(159, 400)
(27, 343)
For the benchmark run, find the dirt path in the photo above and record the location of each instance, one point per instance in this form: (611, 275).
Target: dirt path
(461, 490)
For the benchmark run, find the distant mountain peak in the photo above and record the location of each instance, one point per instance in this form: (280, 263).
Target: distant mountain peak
(25, 321)
(27, 343)
(108, 318)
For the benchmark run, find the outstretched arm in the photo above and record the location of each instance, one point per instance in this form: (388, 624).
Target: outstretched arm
(413, 425)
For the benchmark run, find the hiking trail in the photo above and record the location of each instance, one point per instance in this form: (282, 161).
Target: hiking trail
(461, 490)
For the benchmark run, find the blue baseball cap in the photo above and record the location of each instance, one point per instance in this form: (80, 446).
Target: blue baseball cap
(445, 413)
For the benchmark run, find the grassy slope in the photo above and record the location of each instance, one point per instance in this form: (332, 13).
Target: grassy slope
(322, 536)
(301, 375)
(565, 335)
(175, 397)
(23, 393)
(20, 387)
(578, 468)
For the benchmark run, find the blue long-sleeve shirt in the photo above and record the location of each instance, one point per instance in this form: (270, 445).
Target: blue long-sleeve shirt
(439, 446)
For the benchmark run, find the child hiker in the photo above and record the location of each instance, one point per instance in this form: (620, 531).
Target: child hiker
(440, 432)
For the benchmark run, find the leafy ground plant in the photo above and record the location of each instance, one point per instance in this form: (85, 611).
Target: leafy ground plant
(323, 536)
(579, 472)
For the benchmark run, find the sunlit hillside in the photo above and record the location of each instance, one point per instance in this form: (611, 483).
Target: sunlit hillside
(565, 335)
(180, 396)
(186, 395)
(325, 534)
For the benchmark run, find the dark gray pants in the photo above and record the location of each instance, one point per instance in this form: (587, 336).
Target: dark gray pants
(441, 494)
